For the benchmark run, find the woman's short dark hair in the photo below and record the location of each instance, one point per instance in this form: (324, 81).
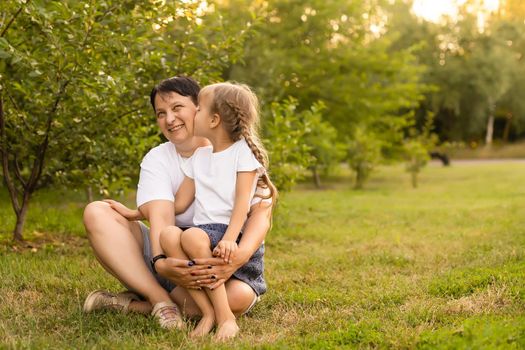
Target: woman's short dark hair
(184, 86)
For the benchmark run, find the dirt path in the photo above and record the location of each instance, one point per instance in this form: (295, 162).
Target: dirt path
(479, 161)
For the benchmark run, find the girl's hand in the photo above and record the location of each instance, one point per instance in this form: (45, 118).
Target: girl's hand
(217, 271)
(131, 215)
(225, 250)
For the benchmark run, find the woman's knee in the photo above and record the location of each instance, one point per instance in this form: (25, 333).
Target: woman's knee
(94, 212)
(240, 296)
(98, 215)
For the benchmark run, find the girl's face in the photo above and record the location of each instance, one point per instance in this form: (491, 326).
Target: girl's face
(203, 115)
(175, 115)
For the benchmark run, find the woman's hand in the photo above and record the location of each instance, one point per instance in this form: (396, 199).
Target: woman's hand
(226, 250)
(184, 273)
(220, 271)
(129, 214)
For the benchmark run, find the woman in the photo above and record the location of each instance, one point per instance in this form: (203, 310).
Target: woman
(131, 252)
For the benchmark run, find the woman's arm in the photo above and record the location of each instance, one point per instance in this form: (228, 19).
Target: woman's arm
(255, 231)
(159, 213)
(185, 195)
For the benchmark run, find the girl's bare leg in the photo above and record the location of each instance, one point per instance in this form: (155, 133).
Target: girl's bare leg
(195, 243)
(117, 244)
(240, 297)
(170, 241)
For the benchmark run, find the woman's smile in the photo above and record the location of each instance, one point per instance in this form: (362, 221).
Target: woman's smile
(175, 127)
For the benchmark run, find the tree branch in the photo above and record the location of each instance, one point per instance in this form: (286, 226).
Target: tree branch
(13, 193)
(13, 19)
(18, 173)
(39, 160)
(11, 98)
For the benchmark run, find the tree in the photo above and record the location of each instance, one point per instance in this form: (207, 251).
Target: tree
(476, 66)
(417, 147)
(74, 83)
(285, 129)
(339, 54)
(322, 140)
(364, 154)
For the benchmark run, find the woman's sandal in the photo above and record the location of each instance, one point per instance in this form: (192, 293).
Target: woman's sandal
(102, 299)
(168, 315)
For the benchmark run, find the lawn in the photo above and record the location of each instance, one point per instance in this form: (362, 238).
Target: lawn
(441, 266)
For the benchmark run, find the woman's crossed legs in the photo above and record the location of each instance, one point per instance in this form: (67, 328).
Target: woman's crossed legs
(118, 246)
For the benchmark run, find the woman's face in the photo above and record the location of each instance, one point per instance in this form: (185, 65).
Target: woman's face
(175, 115)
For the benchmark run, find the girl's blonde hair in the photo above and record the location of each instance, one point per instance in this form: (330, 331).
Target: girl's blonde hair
(238, 108)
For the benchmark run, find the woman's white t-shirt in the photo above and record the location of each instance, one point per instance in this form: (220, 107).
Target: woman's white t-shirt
(215, 176)
(161, 176)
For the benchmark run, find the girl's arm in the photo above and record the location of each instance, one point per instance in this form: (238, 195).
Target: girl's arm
(243, 189)
(130, 214)
(185, 195)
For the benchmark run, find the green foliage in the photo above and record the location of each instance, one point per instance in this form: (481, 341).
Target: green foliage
(417, 148)
(75, 79)
(322, 139)
(478, 72)
(364, 154)
(284, 131)
(326, 51)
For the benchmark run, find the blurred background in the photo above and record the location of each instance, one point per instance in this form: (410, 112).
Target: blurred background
(352, 84)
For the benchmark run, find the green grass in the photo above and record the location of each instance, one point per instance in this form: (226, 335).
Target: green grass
(441, 266)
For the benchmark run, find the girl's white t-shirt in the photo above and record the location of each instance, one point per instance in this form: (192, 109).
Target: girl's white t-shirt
(161, 176)
(215, 176)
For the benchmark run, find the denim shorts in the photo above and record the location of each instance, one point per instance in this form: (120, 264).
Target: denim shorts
(251, 273)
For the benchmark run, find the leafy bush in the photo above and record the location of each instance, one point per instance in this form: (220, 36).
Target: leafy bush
(284, 133)
(364, 154)
(416, 148)
(322, 140)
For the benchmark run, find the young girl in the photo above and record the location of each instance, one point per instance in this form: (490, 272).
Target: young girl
(222, 180)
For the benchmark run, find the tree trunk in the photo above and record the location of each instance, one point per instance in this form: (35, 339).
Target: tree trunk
(490, 127)
(359, 179)
(414, 179)
(490, 131)
(506, 131)
(316, 177)
(20, 221)
(89, 194)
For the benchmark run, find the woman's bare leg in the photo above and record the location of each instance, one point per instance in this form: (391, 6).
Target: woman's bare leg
(196, 244)
(170, 243)
(117, 244)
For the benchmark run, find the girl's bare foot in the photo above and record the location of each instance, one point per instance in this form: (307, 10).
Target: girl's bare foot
(227, 330)
(204, 326)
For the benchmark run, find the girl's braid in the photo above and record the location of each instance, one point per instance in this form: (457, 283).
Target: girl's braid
(246, 126)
